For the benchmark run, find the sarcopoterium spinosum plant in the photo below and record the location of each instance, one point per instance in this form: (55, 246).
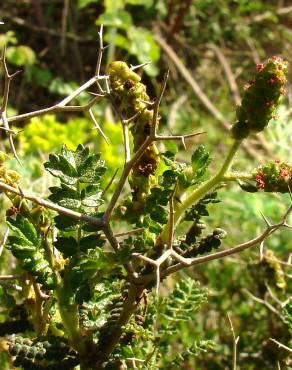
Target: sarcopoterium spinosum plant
(87, 292)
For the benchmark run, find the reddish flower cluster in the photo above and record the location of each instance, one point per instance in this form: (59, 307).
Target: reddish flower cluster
(260, 180)
(274, 177)
(260, 67)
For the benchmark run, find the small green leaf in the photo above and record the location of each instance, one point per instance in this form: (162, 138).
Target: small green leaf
(144, 47)
(90, 242)
(58, 166)
(68, 246)
(200, 161)
(118, 19)
(160, 215)
(21, 55)
(60, 193)
(66, 223)
(168, 178)
(84, 3)
(80, 154)
(24, 229)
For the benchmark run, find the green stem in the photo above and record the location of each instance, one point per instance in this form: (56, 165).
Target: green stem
(68, 310)
(70, 320)
(200, 192)
(79, 231)
(233, 176)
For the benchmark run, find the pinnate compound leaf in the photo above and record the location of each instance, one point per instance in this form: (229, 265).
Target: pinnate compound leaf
(72, 166)
(200, 161)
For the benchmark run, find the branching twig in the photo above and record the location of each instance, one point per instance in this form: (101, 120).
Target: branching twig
(178, 137)
(62, 105)
(44, 203)
(100, 51)
(116, 247)
(265, 303)
(218, 255)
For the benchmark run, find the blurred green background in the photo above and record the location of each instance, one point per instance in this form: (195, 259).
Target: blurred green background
(55, 45)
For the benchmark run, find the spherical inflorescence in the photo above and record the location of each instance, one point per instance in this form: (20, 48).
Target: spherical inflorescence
(274, 177)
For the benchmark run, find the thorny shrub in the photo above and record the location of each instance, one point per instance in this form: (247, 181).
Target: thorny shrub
(86, 287)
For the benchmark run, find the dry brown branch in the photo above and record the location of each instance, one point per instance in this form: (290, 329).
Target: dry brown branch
(9, 277)
(97, 126)
(62, 105)
(183, 262)
(178, 137)
(44, 203)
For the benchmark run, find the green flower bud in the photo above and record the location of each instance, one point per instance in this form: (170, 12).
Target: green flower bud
(3, 157)
(261, 98)
(122, 71)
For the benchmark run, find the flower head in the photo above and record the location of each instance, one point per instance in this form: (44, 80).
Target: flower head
(261, 98)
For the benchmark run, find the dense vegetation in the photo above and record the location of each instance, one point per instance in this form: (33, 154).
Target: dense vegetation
(161, 239)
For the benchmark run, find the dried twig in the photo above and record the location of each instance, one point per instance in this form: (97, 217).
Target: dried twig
(8, 277)
(235, 343)
(217, 255)
(110, 183)
(44, 203)
(280, 345)
(62, 105)
(4, 241)
(97, 126)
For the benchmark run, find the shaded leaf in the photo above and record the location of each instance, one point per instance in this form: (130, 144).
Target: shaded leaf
(68, 246)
